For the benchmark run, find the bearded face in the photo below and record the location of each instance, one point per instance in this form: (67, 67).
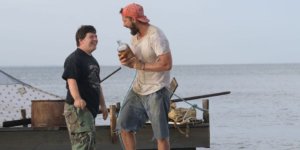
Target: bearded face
(133, 29)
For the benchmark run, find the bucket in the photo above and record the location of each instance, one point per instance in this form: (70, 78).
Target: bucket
(47, 113)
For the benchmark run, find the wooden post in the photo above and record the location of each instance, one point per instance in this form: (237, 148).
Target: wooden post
(113, 121)
(23, 114)
(118, 105)
(205, 105)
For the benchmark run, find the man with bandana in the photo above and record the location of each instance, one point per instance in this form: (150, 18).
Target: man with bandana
(149, 98)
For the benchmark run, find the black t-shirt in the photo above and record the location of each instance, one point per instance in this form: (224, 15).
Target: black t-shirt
(85, 70)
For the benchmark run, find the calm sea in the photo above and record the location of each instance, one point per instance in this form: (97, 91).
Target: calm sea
(261, 113)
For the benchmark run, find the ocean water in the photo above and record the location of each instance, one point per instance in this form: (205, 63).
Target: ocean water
(261, 113)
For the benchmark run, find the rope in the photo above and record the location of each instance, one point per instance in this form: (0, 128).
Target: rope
(186, 119)
(192, 105)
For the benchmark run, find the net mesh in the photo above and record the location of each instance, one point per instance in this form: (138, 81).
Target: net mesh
(16, 95)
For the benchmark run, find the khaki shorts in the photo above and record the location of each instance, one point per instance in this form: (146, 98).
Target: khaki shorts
(81, 127)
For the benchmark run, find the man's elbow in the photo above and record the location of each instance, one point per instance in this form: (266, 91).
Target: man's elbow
(168, 67)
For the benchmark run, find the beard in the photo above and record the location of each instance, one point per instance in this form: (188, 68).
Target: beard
(134, 30)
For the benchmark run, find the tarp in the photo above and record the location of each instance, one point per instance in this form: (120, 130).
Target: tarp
(16, 95)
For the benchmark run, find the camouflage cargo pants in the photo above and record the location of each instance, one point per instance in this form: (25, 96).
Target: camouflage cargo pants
(81, 127)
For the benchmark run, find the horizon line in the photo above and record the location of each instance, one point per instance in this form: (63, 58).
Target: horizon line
(105, 65)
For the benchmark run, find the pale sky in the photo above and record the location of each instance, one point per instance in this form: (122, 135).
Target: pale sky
(42, 32)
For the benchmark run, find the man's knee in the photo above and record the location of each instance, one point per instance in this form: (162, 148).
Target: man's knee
(163, 140)
(126, 133)
(163, 144)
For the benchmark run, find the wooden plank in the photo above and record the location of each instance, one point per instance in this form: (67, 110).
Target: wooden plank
(48, 139)
(58, 138)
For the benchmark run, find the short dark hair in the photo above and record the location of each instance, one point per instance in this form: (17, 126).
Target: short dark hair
(82, 31)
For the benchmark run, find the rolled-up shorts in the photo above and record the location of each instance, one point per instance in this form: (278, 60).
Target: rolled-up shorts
(138, 109)
(81, 127)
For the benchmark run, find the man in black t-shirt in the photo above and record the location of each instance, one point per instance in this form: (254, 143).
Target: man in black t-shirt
(84, 96)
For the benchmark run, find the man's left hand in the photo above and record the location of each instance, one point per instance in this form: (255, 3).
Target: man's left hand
(104, 112)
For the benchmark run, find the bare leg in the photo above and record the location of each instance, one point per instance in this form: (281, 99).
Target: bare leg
(163, 144)
(128, 139)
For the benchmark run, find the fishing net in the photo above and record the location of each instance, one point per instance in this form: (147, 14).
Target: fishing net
(16, 95)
